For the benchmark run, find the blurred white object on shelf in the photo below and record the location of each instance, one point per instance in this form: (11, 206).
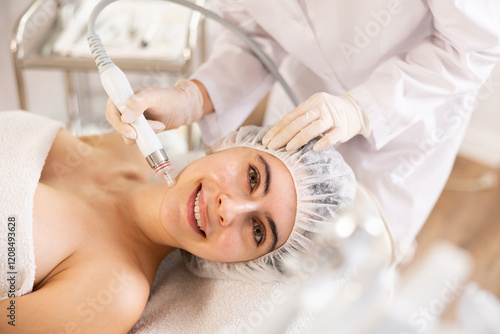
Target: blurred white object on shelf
(146, 29)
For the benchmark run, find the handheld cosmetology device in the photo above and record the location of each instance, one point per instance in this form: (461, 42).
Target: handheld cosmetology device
(119, 90)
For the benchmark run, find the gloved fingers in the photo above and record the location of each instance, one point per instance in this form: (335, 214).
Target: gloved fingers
(284, 122)
(288, 133)
(128, 141)
(138, 103)
(137, 90)
(193, 97)
(142, 99)
(311, 131)
(329, 139)
(276, 129)
(114, 118)
(157, 126)
(291, 130)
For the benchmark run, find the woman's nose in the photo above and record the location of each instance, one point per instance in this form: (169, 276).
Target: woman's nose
(233, 208)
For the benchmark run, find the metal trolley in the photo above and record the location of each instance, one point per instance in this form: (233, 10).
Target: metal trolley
(38, 28)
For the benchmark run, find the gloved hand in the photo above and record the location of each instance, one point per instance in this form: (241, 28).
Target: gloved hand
(165, 108)
(341, 117)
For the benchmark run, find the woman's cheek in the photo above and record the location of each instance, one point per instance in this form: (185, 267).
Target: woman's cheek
(230, 247)
(228, 173)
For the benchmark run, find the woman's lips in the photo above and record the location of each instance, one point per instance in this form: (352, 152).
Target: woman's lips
(203, 214)
(190, 212)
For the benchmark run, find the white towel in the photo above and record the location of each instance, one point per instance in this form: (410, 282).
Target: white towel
(25, 141)
(181, 302)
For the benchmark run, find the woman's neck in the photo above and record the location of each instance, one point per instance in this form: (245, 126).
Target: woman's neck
(140, 210)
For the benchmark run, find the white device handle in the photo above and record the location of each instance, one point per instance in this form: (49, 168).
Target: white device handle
(119, 90)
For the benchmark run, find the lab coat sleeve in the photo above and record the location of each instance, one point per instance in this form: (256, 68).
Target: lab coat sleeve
(454, 61)
(234, 78)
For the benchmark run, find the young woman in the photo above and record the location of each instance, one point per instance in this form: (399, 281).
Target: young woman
(100, 227)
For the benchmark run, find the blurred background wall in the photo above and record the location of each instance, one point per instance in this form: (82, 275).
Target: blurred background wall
(45, 88)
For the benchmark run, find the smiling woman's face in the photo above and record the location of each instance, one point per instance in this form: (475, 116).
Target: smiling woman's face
(230, 206)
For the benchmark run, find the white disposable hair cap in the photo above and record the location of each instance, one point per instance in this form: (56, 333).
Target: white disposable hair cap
(325, 186)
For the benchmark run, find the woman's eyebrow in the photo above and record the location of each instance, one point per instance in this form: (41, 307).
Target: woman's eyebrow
(267, 181)
(270, 221)
(272, 227)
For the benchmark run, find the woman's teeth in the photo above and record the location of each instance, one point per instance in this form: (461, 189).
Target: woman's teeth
(197, 211)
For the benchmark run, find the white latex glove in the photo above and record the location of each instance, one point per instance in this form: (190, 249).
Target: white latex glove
(165, 108)
(340, 117)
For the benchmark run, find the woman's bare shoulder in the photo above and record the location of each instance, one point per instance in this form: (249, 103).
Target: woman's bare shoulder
(103, 296)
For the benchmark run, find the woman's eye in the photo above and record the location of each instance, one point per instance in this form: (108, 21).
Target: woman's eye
(253, 177)
(258, 232)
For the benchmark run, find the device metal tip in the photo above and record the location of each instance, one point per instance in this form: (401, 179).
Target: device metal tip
(163, 171)
(167, 177)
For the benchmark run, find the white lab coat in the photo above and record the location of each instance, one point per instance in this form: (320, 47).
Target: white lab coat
(414, 66)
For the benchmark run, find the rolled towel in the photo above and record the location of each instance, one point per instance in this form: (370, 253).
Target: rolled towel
(25, 141)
